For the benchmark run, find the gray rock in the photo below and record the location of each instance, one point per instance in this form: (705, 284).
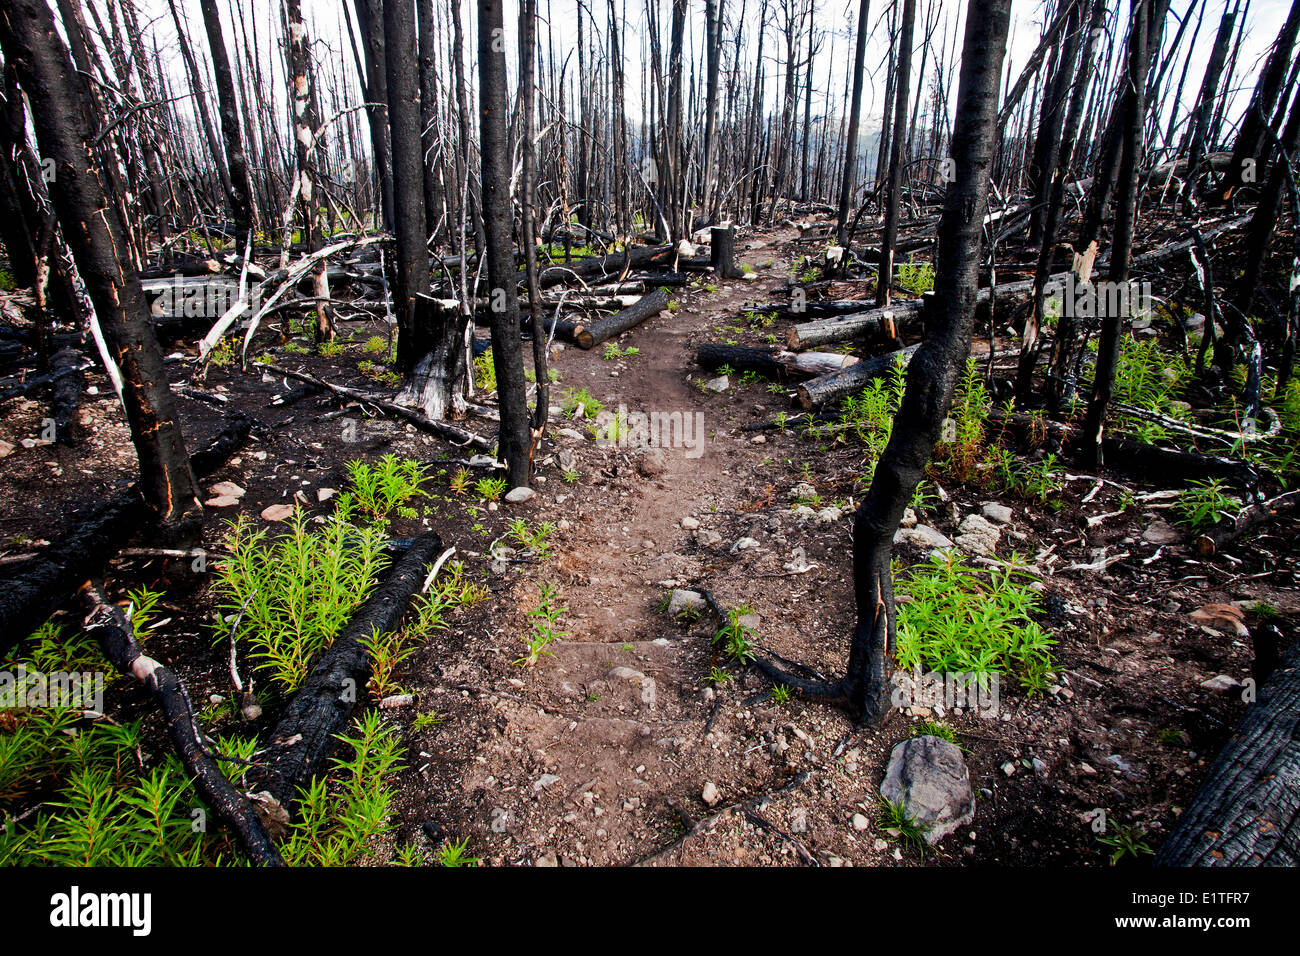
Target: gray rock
(710, 794)
(683, 600)
(803, 492)
(829, 515)
(707, 539)
(929, 777)
(572, 433)
(977, 535)
(909, 518)
(799, 821)
(1160, 533)
(519, 495)
(689, 523)
(923, 536)
(1221, 684)
(802, 513)
(997, 512)
(482, 461)
(744, 544)
(719, 384)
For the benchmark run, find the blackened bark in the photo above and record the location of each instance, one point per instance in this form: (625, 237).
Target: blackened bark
(1143, 38)
(892, 189)
(106, 625)
(936, 366)
(94, 232)
(241, 192)
(412, 256)
(847, 181)
(1250, 138)
(507, 354)
(370, 21)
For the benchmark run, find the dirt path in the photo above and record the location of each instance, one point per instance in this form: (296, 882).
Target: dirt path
(610, 750)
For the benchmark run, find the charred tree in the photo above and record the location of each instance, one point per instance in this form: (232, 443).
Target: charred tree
(932, 375)
(507, 353)
(894, 183)
(65, 133)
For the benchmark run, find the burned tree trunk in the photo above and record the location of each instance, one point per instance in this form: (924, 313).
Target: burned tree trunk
(847, 181)
(105, 623)
(1143, 37)
(241, 193)
(305, 130)
(507, 353)
(65, 132)
(370, 22)
(648, 305)
(894, 184)
(1246, 810)
(414, 339)
(935, 367)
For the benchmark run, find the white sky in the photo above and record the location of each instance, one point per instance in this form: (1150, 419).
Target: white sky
(834, 20)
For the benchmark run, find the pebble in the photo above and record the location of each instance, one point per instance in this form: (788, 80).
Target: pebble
(519, 495)
(710, 794)
(690, 524)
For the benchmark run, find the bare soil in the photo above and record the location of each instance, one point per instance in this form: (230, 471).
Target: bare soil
(601, 753)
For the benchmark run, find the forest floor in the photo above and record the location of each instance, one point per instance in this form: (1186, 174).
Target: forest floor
(621, 747)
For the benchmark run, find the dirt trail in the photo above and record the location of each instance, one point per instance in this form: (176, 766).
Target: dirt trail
(605, 752)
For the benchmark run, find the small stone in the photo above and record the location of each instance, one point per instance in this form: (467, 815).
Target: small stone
(909, 519)
(226, 489)
(744, 544)
(6, 449)
(1160, 533)
(758, 440)
(519, 495)
(707, 539)
(996, 512)
(930, 778)
(276, 512)
(546, 780)
(547, 858)
(690, 524)
(1221, 684)
(977, 535)
(923, 536)
(828, 515)
(1009, 768)
(799, 821)
(325, 494)
(710, 794)
(572, 433)
(683, 600)
(719, 384)
(651, 463)
(221, 501)
(860, 822)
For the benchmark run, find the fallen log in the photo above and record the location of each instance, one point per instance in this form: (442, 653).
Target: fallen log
(878, 324)
(597, 332)
(774, 364)
(1247, 809)
(415, 417)
(107, 625)
(616, 264)
(825, 389)
(305, 734)
(1225, 532)
(43, 584)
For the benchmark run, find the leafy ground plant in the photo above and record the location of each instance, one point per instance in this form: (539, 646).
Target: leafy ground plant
(545, 618)
(957, 620)
(296, 592)
(387, 484)
(1206, 505)
(735, 637)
